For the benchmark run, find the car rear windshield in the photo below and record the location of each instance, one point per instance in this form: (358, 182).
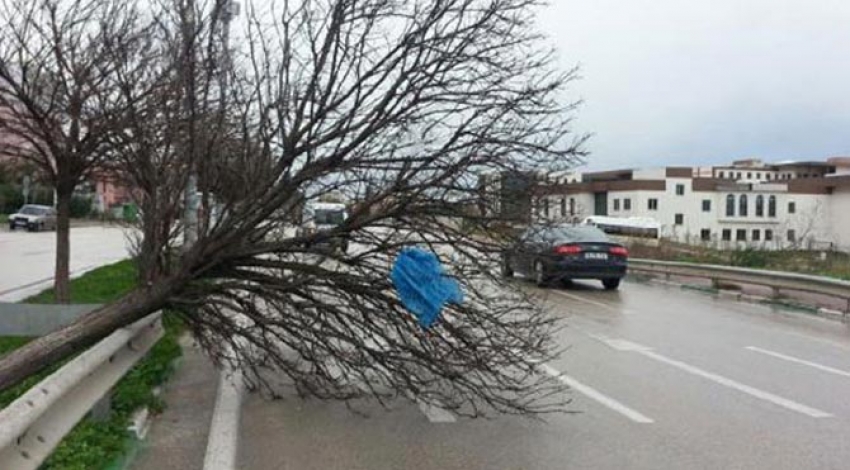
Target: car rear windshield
(33, 210)
(578, 234)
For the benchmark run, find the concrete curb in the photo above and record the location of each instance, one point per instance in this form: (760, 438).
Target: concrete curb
(831, 314)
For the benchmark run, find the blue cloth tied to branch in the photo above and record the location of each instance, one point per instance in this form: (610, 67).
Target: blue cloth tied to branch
(422, 285)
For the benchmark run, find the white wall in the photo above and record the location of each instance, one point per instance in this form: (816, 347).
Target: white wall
(819, 219)
(650, 174)
(839, 217)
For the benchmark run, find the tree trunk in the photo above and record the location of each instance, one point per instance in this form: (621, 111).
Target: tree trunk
(61, 277)
(85, 331)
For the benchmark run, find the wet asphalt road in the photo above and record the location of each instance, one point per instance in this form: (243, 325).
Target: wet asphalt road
(27, 259)
(662, 378)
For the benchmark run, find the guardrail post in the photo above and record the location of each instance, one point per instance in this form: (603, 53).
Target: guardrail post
(103, 408)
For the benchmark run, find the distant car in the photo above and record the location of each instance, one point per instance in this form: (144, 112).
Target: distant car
(566, 252)
(34, 218)
(323, 217)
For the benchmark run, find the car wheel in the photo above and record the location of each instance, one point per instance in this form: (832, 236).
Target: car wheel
(611, 284)
(567, 282)
(540, 275)
(507, 270)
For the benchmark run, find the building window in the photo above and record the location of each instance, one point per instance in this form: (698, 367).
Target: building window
(749, 176)
(768, 235)
(771, 206)
(743, 205)
(705, 234)
(563, 207)
(758, 176)
(741, 235)
(792, 207)
(759, 206)
(652, 204)
(680, 189)
(791, 236)
(706, 205)
(720, 175)
(756, 235)
(616, 204)
(739, 175)
(730, 206)
(727, 234)
(680, 219)
(767, 176)
(572, 206)
(627, 204)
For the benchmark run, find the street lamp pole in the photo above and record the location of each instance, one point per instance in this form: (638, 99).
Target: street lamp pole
(190, 196)
(191, 202)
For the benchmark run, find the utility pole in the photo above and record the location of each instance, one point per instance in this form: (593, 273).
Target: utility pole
(187, 71)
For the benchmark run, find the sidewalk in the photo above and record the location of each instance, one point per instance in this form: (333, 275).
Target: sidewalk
(178, 437)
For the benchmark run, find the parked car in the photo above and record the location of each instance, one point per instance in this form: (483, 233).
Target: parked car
(34, 218)
(566, 252)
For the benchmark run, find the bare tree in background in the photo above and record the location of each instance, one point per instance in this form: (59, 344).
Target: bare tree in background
(396, 106)
(56, 103)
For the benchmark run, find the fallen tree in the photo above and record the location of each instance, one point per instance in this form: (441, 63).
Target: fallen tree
(394, 107)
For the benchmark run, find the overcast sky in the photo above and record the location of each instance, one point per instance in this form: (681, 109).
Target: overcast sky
(697, 82)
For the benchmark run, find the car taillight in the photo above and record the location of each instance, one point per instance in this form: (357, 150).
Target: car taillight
(568, 250)
(619, 251)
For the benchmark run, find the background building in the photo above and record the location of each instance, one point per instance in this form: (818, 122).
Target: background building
(745, 204)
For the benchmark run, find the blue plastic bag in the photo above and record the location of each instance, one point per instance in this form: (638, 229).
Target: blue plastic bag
(422, 286)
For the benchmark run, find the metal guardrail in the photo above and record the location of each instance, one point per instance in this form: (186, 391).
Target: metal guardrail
(778, 281)
(34, 424)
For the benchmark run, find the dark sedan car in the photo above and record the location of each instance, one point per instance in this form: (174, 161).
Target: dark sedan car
(565, 252)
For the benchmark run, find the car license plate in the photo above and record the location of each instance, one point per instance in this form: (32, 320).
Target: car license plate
(596, 256)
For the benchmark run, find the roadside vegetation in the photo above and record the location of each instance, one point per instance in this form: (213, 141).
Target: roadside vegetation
(821, 263)
(98, 444)
(103, 285)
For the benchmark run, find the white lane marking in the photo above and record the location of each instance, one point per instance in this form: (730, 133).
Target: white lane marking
(436, 414)
(609, 307)
(587, 301)
(796, 360)
(597, 396)
(727, 382)
(619, 344)
(628, 346)
(223, 440)
(433, 412)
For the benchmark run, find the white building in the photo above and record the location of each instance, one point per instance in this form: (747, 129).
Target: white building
(747, 203)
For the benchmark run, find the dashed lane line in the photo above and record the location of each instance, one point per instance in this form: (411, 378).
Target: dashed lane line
(597, 396)
(628, 346)
(797, 360)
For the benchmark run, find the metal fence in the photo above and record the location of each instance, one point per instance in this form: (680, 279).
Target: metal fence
(34, 424)
(778, 281)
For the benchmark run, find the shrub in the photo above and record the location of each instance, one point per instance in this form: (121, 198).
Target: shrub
(749, 258)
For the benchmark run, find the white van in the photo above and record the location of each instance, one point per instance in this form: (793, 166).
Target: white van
(324, 217)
